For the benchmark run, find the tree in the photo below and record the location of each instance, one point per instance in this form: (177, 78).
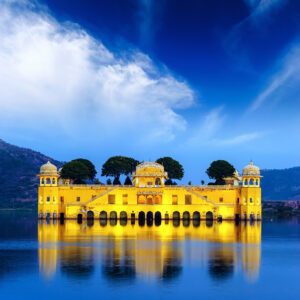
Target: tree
(116, 181)
(97, 181)
(76, 171)
(202, 182)
(172, 166)
(189, 183)
(108, 181)
(128, 181)
(90, 166)
(219, 169)
(117, 165)
(168, 182)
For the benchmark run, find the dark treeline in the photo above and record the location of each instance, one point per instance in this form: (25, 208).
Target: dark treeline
(83, 171)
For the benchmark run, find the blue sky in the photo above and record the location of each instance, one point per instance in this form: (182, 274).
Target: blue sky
(196, 80)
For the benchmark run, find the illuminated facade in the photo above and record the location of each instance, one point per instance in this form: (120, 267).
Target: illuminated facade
(149, 198)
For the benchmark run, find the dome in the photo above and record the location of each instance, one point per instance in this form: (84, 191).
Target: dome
(251, 169)
(150, 164)
(48, 169)
(149, 168)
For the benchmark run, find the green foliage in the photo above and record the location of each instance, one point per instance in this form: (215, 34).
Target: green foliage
(97, 181)
(108, 181)
(218, 170)
(127, 181)
(116, 181)
(118, 165)
(189, 183)
(75, 170)
(172, 166)
(90, 166)
(170, 182)
(202, 182)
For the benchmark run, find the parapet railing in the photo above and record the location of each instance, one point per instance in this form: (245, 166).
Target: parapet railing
(228, 186)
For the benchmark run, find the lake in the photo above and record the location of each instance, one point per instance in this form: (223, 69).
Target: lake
(210, 260)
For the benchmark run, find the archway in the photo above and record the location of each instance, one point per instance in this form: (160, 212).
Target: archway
(157, 182)
(157, 215)
(141, 199)
(150, 215)
(113, 215)
(103, 215)
(209, 215)
(149, 218)
(150, 200)
(90, 215)
(157, 218)
(141, 215)
(176, 215)
(186, 215)
(167, 217)
(196, 215)
(141, 218)
(158, 199)
(79, 218)
(123, 215)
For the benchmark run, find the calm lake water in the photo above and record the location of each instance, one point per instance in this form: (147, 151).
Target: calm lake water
(42, 260)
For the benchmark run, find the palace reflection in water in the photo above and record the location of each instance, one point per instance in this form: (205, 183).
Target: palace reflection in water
(125, 251)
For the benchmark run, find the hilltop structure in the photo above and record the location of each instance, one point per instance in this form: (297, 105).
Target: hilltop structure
(149, 198)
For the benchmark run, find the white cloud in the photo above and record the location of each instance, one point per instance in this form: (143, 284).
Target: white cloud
(207, 128)
(236, 140)
(58, 76)
(262, 7)
(287, 78)
(210, 132)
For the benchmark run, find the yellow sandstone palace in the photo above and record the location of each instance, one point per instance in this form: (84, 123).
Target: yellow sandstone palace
(149, 198)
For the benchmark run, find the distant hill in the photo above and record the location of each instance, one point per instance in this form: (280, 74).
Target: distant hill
(281, 184)
(18, 180)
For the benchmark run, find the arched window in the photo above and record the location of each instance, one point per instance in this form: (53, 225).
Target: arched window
(251, 181)
(53, 180)
(256, 182)
(43, 181)
(251, 200)
(48, 181)
(246, 182)
(157, 181)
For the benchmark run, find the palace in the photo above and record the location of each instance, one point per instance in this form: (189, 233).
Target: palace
(149, 198)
